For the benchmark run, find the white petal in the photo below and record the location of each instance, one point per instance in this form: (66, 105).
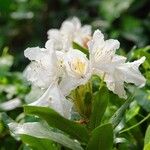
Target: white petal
(98, 36)
(70, 83)
(118, 59)
(132, 74)
(54, 34)
(54, 99)
(35, 53)
(121, 72)
(70, 25)
(97, 42)
(49, 45)
(40, 55)
(110, 47)
(101, 52)
(34, 94)
(38, 75)
(86, 30)
(116, 86)
(70, 28)
(67, 28)
(76, 63)
(45, 67)
(57, 37)
(76, 22)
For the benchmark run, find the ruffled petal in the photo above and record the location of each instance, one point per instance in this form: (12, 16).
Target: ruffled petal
(132, 74)
(38, 75)
(54, 99)
(35, 53)
(121, 72)
(115, 85)
(86, 30)
(70, 83)
(96, 43)
(56, 36)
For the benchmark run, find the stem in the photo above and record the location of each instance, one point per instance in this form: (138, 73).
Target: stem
(125, 130)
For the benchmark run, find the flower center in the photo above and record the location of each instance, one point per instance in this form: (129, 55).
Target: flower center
(79, 67)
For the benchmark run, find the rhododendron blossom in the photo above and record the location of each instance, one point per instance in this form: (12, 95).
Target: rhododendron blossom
(114, 67)
(44, 72)
(59, 69)
(70, 31)
(78, 70)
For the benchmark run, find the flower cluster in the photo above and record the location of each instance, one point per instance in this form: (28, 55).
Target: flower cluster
(59, 68)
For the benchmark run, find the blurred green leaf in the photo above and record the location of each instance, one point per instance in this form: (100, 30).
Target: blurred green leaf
(5, 5)
(112, 9)
(101, 138)
(57, 121)
(147, 146)
(142, 96)
(133, 111)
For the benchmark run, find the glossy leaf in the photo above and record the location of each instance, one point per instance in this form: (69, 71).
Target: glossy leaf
(134, 109)
(101, 138)
(55, 120)
(118, 115)
(37, 136)
(147, 139)
(100, 101)
(38, 144)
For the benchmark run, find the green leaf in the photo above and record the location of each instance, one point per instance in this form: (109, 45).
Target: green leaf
(40, 136)
(5, 118)
(133, 111)
(142, 96)
(55, 120)
(118, 115)
(101, 138)
(147, 136)
(147, 139)
(38, 144)
(100, 101)
(82, 49)
(147, 146)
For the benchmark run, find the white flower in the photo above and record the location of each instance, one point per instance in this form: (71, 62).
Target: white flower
(113, 67)
(44, 67)
(124, 72)
(78, 70)
(54, 99)
(44, 72)
(61, 42)
(101, 51)
(71, 30)
(75, 31)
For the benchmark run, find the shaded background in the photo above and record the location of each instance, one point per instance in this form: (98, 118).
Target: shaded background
(24, 23)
